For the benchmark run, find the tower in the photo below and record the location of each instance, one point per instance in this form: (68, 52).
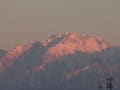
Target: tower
(109, 83)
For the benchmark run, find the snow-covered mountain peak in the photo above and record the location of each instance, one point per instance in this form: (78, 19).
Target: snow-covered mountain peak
(83, 43)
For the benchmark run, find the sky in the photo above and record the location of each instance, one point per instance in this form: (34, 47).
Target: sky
(26, 21)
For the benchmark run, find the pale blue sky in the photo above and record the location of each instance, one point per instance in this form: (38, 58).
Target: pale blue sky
(25, 21)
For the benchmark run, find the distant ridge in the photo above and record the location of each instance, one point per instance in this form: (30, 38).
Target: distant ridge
(62, 62)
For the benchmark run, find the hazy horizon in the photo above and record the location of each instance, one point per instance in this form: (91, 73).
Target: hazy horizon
(26, 21)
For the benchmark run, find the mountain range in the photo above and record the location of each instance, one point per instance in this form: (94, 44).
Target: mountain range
(65, 61)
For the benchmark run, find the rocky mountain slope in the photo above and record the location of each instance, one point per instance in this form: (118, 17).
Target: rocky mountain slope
(64, 61)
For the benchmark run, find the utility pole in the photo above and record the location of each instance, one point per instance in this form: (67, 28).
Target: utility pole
(109, 83)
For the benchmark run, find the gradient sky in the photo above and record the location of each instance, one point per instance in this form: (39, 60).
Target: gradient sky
(25, 21)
